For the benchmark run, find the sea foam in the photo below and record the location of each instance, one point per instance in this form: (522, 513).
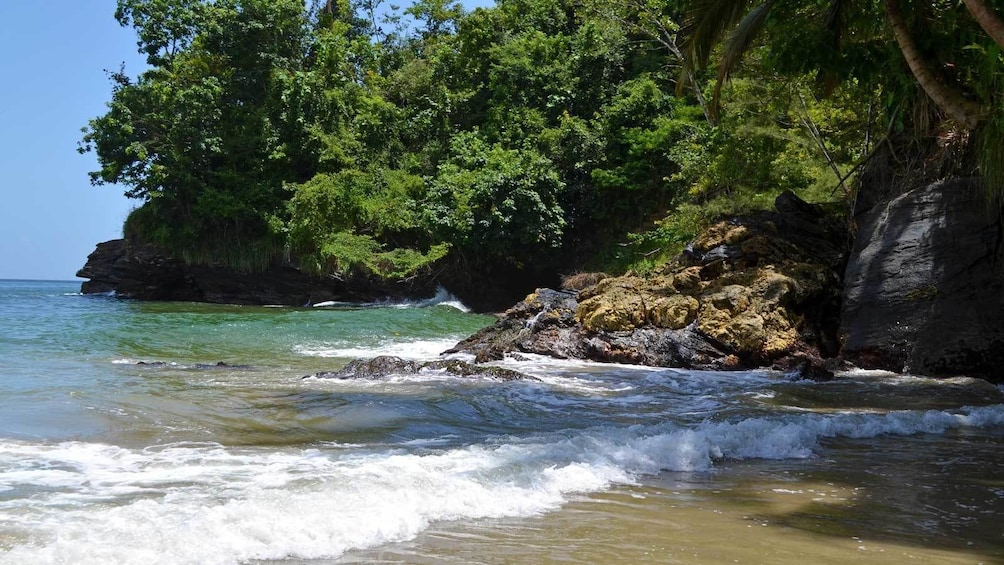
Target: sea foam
(206, 503)
(420, 349)
(442, 297)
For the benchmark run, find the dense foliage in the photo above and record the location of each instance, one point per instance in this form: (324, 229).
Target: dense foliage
(344, 137)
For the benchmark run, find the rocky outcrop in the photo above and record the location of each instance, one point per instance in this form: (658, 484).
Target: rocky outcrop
(924, 287)
(387, 365)
(748, 292)
(149, 273)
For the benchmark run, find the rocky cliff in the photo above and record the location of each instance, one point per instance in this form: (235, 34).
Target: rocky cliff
(924, 288)
(148, 273)
(749, 292)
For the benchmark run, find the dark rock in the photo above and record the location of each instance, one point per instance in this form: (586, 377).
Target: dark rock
(386, 365)
(200, 366)
(221, 365)
(465, 369)
(543, 323)
(146, 272)
(373, 368)
(802, 366)
(924, 288)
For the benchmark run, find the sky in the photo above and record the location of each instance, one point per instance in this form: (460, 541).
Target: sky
(53, 57)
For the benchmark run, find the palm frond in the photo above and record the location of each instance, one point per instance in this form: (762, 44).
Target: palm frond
(705, 24)
(742, 37)
(738, 44)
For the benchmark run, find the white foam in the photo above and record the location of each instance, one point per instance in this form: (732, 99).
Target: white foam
(410, 349)
(210, 505)
(88, 503)
(442, 298)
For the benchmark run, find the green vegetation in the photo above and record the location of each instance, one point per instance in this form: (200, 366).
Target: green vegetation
(550, 135)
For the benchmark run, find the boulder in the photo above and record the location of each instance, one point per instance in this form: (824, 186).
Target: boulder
(543, 323)
(924, 285)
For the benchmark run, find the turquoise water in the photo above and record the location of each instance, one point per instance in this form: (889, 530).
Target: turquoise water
(124, 440)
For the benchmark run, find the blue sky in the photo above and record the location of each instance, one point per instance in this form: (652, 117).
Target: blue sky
(53, 57)
(52, 82)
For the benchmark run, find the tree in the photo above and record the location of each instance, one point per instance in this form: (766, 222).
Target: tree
(949, 98)
(648, 17)
(204, 137)
(164, 28)
(439, 17)
(499, 203)
(988, 20)
(738, 23)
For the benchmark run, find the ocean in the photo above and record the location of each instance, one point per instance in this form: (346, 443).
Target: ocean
(183, 433)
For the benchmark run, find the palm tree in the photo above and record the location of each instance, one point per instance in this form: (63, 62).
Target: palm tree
(738, 23)
(988, 19)
(951, 100)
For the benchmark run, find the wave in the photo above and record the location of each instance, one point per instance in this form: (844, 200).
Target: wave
(205, 503)
(442, 298)
(420, 349)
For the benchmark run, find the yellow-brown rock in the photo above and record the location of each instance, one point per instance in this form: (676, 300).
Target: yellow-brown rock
(687, 279)
(673, 312)
(749, 292)
(616, 304)
(736, 234)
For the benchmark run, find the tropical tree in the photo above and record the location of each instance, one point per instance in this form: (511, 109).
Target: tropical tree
(205, 137)
(737, 24)
(988, 20)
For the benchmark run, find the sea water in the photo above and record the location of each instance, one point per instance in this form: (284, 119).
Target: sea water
(148, 433)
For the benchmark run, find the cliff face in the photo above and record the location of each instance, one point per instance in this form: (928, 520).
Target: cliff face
(148, 273)
(924, 288)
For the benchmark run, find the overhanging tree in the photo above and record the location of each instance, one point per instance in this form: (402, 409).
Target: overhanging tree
(737, 23)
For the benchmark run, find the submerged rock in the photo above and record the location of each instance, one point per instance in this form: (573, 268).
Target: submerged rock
(747, 293)
(386, 365)
(219, 365)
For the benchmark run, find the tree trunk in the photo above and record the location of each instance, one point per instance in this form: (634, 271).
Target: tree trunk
(949, 100)
(988, 20)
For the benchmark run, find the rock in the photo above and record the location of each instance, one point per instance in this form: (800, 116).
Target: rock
(674, 312)
(380, 366)
(924, 287)
(543, 323)
(146, 272)
(219, 365)
(745, 293)
(386, 365)
(804, 366)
